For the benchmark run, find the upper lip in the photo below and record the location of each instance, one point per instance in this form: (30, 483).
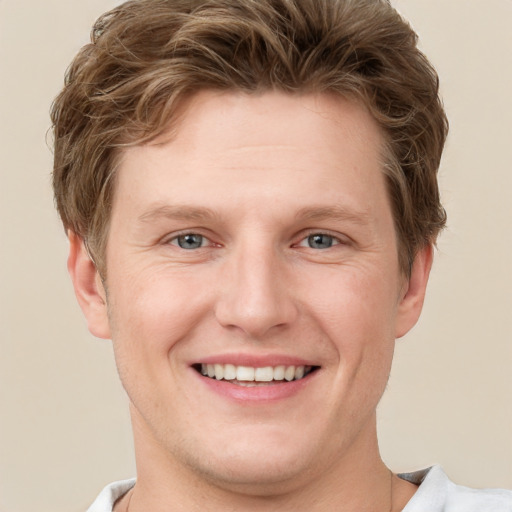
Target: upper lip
(256, 361)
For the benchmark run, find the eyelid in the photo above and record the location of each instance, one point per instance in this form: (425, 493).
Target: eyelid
(338, 237)
(175, 241)
(172, 237)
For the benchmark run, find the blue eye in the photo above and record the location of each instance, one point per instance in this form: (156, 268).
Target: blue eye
(189, 241)
(321, 241)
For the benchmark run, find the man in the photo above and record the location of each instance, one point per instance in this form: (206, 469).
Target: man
(250, 193)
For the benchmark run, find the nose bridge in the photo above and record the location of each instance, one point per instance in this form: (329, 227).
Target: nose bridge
(254, 292)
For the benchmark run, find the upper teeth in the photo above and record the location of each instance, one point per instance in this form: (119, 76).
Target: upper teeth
(248, 373)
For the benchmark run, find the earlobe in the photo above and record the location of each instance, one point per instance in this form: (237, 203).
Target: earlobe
(411, 303)
(89, 289)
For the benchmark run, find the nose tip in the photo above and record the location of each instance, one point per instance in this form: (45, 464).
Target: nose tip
(255, 298)
(253, 322)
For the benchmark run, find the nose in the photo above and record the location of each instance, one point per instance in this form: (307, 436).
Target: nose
(254, 293)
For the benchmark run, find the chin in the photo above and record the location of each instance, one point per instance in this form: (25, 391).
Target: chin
(261, 477)
(252, 465)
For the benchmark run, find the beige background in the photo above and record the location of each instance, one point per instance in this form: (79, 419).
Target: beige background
(64, 429)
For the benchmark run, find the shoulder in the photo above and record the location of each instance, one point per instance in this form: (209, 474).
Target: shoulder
(437, 493)
(110, 494)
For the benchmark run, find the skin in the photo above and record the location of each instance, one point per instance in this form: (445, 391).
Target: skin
(272, 170)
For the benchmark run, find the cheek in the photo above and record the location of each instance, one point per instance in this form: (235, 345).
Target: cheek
(149, 315)
(148, 320)
(355, 306)
(357, 313)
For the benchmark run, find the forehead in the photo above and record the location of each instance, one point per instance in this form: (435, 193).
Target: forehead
(269, 118)
(238, 147)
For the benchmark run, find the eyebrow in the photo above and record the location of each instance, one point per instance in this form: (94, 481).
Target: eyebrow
(310, 213)
(176, 212)
(335, 213)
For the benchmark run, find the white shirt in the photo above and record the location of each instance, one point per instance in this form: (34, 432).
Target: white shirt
(436, 493)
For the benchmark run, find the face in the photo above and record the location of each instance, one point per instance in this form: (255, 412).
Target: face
(253, 287)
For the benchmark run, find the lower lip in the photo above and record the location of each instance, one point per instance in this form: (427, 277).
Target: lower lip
(257, 394)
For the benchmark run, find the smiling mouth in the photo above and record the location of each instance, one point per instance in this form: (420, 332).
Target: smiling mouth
(254, 376)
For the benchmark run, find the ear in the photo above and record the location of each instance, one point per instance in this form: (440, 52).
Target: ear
(413, 292)
(88, 286)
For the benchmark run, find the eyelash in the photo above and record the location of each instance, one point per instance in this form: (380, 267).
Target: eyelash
(333, 240)
(176, 239)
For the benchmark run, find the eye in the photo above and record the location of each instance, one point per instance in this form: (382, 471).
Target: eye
(320, 241)
(189, 241)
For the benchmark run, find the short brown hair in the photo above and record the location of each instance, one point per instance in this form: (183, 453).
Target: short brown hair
(147, 56)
